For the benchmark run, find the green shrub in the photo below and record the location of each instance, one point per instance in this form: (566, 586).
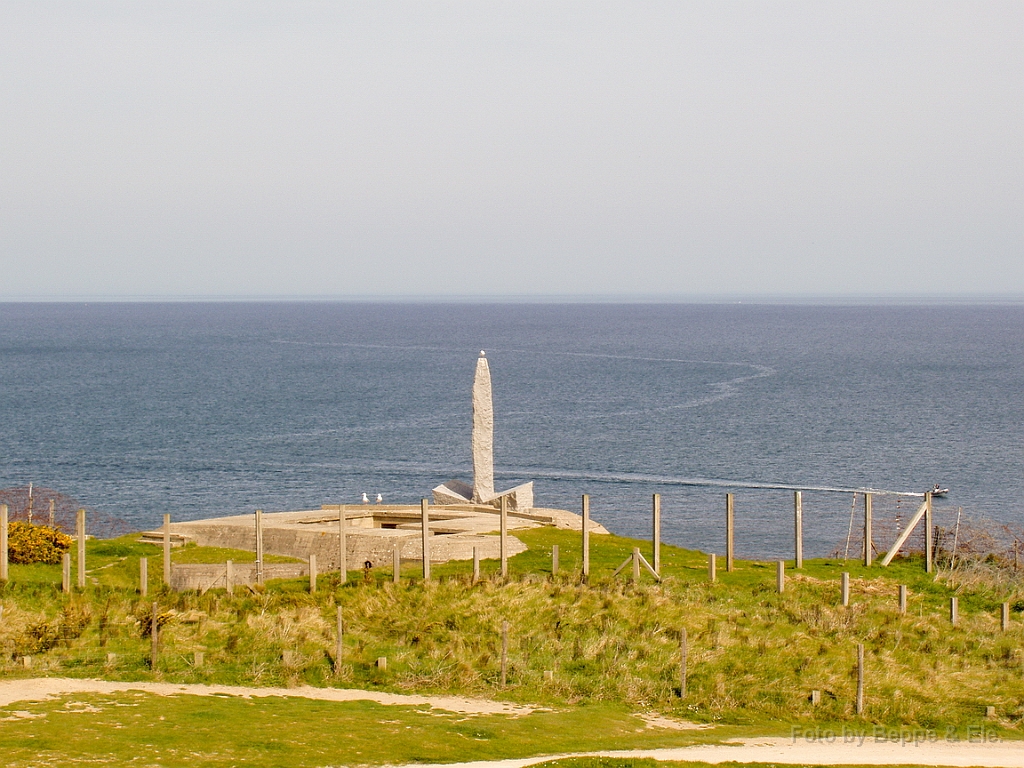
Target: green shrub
(27, 543)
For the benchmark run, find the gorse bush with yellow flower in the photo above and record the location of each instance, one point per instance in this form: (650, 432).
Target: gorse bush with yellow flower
(27, 543)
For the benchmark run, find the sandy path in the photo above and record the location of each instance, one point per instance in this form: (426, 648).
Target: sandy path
(1006, 754)
(40, 688)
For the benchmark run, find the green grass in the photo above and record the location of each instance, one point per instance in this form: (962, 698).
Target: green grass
(612, 646)
(142, 728)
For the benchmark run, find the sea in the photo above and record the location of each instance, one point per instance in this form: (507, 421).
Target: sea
(137, 410)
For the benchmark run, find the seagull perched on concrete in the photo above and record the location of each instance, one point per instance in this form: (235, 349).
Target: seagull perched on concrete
(379, 498)
(366, 500)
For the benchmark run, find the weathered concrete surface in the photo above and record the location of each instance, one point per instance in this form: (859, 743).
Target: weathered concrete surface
(453, 492)
(203, 577)
(483, 433)
(372, 533)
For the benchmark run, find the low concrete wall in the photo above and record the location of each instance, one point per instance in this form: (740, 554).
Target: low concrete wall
(202, 577)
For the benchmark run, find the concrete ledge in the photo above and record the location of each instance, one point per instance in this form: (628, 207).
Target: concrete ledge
(203, 577)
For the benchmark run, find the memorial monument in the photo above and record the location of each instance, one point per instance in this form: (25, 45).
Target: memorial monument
(482, 491)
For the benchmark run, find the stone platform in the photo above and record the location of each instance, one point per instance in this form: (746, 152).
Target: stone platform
(373, 532)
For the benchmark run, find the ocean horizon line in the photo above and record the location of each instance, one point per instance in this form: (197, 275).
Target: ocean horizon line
(797, 299)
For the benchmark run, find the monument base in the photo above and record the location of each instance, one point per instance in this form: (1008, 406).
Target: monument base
(520, 498)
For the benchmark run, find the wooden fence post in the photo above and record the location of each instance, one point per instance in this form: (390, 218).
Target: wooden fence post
(53, 513)
(780, 576)
(860, 678)
(80, 531)
(4, 576)
(339, 636)
(167, 549)
(712, 568)
(798, 528)
(229, 577)
(259, 546)
(143, 576)
(903, 598)
(425, 533)
(65, 572)
(586, 537)
(503, 535)
(312, 573)
(682, 663)
(154, 635)
(396, 564)
(1004, 617)
(844, 588)
(342, 546)
(928, 553)
(869, 554)
(504, 653)
(636, 564)
(729, 531)
(656, 532)
(554, 559)
(954, 610)
(476, 565)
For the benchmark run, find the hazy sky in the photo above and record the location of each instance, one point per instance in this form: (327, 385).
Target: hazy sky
(488, 148)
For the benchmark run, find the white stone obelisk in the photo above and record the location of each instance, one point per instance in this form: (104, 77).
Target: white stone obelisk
(483, 433)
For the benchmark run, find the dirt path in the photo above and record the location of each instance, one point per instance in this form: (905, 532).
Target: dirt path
(40, 688)
(1005, 754)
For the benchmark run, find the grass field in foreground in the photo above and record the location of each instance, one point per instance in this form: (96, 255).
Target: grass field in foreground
(754, 655)
(145, 729)
(183, 730)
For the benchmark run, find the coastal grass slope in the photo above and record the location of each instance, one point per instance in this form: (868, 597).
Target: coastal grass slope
(591, 653)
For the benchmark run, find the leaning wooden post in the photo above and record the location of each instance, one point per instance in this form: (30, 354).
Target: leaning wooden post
(1004, 617)
(586, 537)
(312, 573)
(154, 635)
(844, 588)
(860, 678)
(903, 598)
(780, 576)
(869, 554)
(798, 528)
(554, 559)
(342, 546)
(928, 554)
(259, 546)
(504, 653)
(80, 532)
(143, 576)
(425, 526)
(504, 536)
(656, 532)
(712, 568)
(729, 523)
(3, 543)
(65, 573)
(167, 549)
(682, 663)
(339, 636)
(396, 564)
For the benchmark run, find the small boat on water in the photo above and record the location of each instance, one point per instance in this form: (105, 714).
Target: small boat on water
(938, 490)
